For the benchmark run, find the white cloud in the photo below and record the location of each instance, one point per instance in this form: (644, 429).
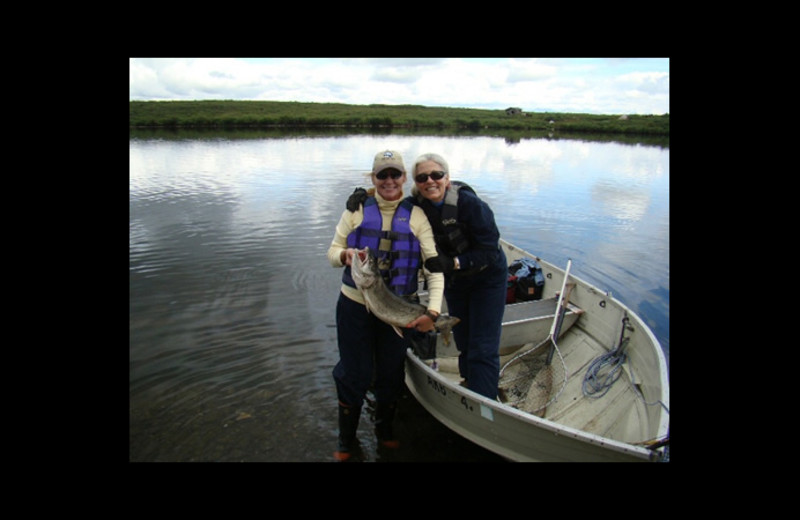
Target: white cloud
(604, 86)
(530, 70)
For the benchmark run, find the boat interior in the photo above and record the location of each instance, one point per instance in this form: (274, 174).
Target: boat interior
(624, 409)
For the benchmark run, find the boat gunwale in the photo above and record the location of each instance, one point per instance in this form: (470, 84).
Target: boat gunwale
(545, 424)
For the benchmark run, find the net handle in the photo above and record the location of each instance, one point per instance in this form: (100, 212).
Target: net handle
(559, 310)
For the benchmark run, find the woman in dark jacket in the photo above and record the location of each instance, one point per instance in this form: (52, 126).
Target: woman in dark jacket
(474, 265)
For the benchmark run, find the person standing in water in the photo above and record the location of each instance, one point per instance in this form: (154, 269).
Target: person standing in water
(390, 224)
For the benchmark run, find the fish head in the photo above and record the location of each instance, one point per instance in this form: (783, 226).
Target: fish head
(364, 269)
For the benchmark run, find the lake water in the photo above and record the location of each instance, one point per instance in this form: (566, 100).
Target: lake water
(232, 299)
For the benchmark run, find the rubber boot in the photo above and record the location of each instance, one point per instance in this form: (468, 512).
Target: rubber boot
(384, 417)
(348, 426)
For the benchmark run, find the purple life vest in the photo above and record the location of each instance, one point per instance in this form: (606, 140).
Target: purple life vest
(403, 256)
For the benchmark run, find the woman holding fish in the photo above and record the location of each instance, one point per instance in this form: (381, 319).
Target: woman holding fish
(389, 224)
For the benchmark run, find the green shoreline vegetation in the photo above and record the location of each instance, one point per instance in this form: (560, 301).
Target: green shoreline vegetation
(228, 114)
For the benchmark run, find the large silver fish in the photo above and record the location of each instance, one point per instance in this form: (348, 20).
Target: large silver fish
(386, 305)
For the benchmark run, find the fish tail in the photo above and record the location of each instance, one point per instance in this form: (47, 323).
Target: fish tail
(445, 324)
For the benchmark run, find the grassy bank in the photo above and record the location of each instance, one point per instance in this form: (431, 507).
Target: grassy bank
(273, 114)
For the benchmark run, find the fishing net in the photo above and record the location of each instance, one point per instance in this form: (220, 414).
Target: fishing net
(528, 382)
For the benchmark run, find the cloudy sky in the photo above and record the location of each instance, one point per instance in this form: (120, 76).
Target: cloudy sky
(577, 85)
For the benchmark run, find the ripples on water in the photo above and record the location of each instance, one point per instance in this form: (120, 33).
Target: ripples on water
(232, 337)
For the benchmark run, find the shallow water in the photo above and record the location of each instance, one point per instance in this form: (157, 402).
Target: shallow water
(232, 329)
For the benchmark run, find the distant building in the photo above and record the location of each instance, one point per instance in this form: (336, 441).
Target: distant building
(512, 111)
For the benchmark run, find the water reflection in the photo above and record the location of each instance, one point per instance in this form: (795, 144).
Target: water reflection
(232, 337)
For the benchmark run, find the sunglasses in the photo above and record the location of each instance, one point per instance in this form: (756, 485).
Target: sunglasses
(423, 177)
(381, 176)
